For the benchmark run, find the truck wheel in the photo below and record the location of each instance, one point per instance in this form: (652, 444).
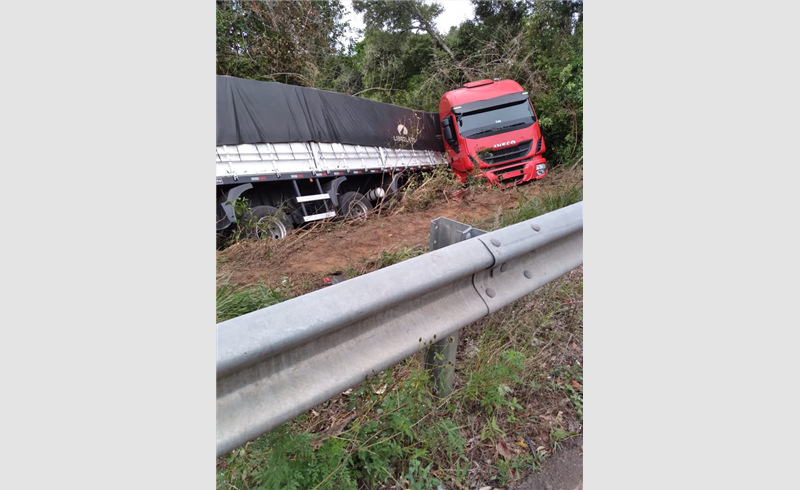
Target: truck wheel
(354, 205)
(265, 222)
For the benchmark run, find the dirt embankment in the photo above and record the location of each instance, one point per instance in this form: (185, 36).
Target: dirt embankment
(303, 258)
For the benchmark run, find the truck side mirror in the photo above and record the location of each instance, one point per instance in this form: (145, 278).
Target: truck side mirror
(449, 136)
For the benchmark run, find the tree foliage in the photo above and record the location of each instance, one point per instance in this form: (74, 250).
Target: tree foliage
(403, 59)
(285, 41)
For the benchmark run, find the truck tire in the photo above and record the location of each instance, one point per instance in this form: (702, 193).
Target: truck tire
(266, 222)
(354, 205)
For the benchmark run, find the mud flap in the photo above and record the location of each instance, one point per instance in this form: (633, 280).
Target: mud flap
(227, 206)
(332, 189)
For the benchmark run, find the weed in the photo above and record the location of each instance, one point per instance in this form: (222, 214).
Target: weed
(390, 430)
(418, 477)
(557, 435)
(490, 386)
(476, 176)
(385, 259)
(492, 432)
(233, 302)
(539, 205)
(569, 380)
(390, 258)
(351, 272)
(244, 221)
(248, 226)
(427, 188)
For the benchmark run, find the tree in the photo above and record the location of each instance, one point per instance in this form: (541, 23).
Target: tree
(498, 14)
(399, 17)
(554, 36)
(277, 40)
(403, 60)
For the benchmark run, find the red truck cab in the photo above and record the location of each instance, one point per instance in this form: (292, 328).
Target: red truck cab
(490, 129)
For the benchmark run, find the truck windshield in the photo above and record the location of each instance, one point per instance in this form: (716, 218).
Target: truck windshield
(496, 119)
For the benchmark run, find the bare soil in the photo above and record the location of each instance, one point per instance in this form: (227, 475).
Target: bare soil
(301, 260)
(562, 471)
(331, 247)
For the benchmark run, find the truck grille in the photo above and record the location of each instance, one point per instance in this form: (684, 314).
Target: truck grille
(507, 154)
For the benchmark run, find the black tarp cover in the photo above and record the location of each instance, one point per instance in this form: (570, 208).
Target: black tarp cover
(249, 111)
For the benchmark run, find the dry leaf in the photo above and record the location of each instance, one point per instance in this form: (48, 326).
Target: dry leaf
(335, 428)
(502, 449)
(461, 194)
(576, 385)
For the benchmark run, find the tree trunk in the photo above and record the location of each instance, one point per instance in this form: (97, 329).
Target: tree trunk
(434, 35)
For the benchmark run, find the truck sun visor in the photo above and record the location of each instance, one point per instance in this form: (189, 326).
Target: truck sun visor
(485, 104)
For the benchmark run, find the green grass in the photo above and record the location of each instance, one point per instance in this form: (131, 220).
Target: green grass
(427, 188)
(385, 259)
(537, 206)
(393, 257)
(397, 432)
(391, 430)
(233, 301)
(396, 435)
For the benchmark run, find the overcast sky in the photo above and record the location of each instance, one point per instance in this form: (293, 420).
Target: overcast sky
(455, 12)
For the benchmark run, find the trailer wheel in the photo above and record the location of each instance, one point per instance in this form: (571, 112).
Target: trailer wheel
(266, 222)
(354, 205)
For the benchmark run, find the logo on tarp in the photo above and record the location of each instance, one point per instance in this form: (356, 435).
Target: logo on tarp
(403, 132)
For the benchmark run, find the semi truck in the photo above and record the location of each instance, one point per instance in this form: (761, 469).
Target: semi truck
(490, 130)
(296, 155)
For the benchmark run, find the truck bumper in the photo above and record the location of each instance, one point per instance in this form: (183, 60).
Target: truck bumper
(518, 172)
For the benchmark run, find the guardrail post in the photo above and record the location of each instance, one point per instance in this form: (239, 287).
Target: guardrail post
(440, 357)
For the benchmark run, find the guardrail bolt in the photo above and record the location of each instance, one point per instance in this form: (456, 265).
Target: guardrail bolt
(527, 274)
(490, 292)
(495, 242)
(504, 267)
(536, 227)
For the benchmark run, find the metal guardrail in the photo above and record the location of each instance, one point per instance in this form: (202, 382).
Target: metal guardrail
(276, 363)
